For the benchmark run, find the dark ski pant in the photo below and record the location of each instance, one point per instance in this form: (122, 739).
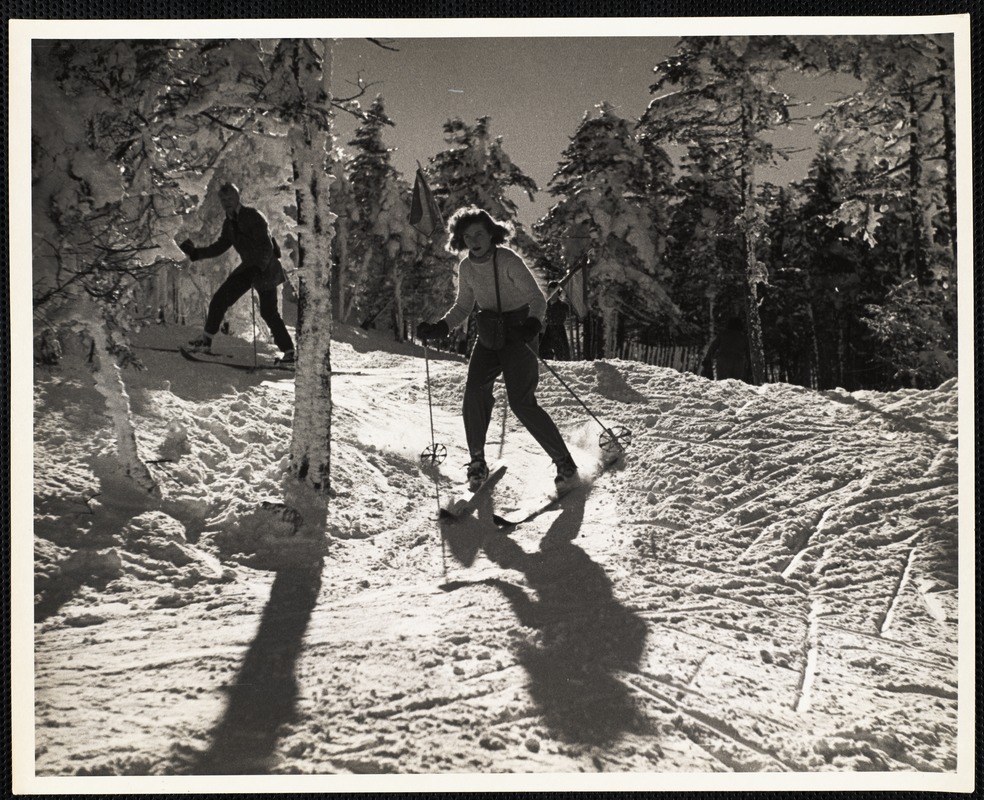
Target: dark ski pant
(235, 286)
(519, 368)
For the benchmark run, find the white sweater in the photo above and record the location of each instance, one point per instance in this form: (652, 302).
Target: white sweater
(476, 285)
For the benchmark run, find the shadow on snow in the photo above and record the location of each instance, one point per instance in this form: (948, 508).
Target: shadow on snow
(265, 692)
(586, 635)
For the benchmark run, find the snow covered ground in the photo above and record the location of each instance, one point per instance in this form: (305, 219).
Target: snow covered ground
(767, 583)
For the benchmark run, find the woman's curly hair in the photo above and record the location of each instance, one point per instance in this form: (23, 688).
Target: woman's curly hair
(500, 232)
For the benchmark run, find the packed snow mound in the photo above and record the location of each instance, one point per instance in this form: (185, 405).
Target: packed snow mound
(766, 581)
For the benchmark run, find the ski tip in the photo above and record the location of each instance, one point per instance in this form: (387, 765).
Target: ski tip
(450, 586)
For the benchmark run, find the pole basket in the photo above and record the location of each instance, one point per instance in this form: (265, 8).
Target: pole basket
(435, 454)
(615, 440)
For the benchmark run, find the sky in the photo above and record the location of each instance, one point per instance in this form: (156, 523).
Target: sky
(535, 90)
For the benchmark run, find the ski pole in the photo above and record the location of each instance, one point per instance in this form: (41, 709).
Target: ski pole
(430, 407)
(611, 438)
(435, 454)
(252, 300)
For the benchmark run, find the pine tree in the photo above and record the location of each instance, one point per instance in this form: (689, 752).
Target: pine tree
(369, 171)
(718, 91)
(839, 274)
(476, 170)
(902, 121)
(343, 280)
(382, 241)
(603, 218)
(704, 248)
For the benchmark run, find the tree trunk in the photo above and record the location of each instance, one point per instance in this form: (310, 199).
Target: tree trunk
(310, 448)
(588, 341)
(754, 269)
(753, 274)
(813, 369)
(919, 256)
(349, 308)
(609, 325)
(396, 276)
(341, 272)
(950, 151)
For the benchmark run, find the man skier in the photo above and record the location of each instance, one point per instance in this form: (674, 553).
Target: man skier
(246, 230)
(554, 342)
(727, 354)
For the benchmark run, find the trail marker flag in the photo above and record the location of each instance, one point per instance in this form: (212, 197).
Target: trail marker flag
(425, 216)
(575, 289)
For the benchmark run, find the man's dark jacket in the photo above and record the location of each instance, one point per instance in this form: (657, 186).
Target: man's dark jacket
(249, 233)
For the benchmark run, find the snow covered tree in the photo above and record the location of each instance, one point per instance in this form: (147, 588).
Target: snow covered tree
(398, 241)
(902, 122)
(788, 336)
(719, 90)
(368, 171)
(107, 196)
(476, 170)
(300, 83)
(604, 220)
(903, 119)
(346, 213)
(108, 192)
(128, 137)
(382, 243)
(826, 272)
(920, 338)
(661, 193)
(704, 244)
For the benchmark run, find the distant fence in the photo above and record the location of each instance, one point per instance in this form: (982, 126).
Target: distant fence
(681, 357)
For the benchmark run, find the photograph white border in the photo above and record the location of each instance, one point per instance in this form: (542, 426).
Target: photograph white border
(20, 35)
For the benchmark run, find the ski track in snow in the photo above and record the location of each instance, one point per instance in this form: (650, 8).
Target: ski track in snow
(762, 585)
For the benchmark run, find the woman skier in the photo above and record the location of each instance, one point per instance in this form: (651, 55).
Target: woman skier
(511, 307)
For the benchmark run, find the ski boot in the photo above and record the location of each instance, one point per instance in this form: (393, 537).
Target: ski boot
(567, 476)
(478, 471)
(201, 344)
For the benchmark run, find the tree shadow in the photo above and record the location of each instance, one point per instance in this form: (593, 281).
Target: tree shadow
(613, 385)
(162, 367)
(265, 692)
(586, 635)
(55, 592)
(365, 340)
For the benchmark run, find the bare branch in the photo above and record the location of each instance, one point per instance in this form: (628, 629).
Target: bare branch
(359, 84)
(384, 44)
(223, 123)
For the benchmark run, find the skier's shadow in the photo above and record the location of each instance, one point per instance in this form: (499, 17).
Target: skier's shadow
(265, 692)
(586, 635)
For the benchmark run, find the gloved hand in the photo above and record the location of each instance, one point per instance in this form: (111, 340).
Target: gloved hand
(529, 328)
(432, 330)
(189, 249)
